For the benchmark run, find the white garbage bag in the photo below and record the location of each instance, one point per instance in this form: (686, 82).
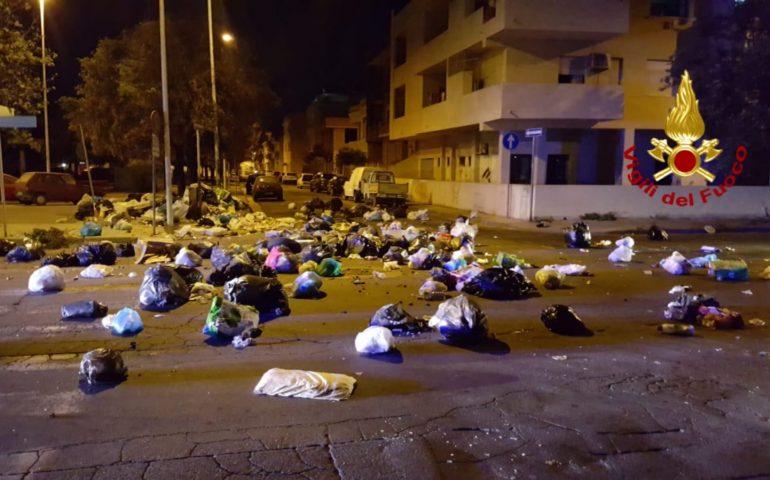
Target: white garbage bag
(464, 228)
(305, 384)
(624, 252)
(96, 271)
(675, 264)
(571, 269)
(46, 279)
(374, 340)
(188, 258)
(418, 215)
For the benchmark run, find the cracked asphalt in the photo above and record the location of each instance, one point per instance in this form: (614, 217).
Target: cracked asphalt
(625, 403)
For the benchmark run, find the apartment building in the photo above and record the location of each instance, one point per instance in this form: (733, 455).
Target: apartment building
(590, 73)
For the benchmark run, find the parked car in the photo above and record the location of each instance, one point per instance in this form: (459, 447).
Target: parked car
(10, 187)
(41, 188)
(267, 186)
(379, 187)
(320, 182)
(352, 188)
(304, 180)
(289, 178)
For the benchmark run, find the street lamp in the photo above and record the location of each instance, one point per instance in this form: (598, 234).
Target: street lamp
(45, 88)
(227, 38)
(217, 166)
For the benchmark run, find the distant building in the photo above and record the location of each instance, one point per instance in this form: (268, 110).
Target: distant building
(590, 73)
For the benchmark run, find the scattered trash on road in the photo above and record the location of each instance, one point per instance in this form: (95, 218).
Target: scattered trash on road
(374, 340)
(95, 271)
(102, 366)
(562, 320)
(87, 309)
(162, 289)
(678, 329)
(305, 384)
(624, 252)
(460, 320)
(49, 278)
(125, 322)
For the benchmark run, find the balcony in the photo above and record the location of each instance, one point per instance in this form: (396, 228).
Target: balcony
(589, 20)
(546, 103)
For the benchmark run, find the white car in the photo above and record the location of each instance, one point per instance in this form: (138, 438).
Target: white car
(289, 178)
(304, 180)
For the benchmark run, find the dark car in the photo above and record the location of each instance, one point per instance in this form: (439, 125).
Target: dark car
(41, 188)
(10, 186)
(267, 186)
(320, 182)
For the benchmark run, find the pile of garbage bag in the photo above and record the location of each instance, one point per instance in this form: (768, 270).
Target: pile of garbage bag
(266, 295)
(162, 289)
(460, 320)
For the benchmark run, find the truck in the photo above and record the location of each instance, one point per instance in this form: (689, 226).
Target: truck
(379, 187)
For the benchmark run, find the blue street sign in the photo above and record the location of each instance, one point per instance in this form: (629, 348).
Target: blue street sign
(534, 132)
(510, 141)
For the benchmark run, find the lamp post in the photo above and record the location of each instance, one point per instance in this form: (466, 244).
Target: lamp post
(217, 167)
(45, 88)
(166, 127)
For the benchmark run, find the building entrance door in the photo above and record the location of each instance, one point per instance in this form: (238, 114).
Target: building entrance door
(521, 168)
(556, 171)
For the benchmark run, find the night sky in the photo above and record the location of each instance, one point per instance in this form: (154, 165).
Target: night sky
(305, 46)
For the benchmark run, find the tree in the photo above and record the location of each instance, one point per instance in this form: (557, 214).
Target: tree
(727, 53)
(120, 87)
(21, 85)
(351, 157)
(318, 159)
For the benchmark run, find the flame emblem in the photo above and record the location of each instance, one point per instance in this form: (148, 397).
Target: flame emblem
(684, 125)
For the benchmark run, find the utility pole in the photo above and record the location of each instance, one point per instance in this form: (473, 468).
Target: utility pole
(166, 127)
(218, 168)
(45, 88)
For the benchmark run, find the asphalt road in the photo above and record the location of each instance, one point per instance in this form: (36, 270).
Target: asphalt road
(625, 403)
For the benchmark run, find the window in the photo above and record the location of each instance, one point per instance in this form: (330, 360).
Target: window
(669, 8)
(572, 70)
(436, 21)
(462, 161)
(399, 102)
(438, 160)
(473, 5)
(489, 10)
(399, 47)
(434, 85)
(351, 135)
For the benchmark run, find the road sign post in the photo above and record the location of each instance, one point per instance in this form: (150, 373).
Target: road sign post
(533, 133)
(510, 141)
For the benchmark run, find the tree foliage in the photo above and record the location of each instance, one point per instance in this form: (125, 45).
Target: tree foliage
(21, 83)
(728, 56)
(120, 87)
(351, 157)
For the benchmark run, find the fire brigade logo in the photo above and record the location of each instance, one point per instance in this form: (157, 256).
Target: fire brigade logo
(684, 126)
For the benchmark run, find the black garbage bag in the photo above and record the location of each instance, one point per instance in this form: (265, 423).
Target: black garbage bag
(656, 234)
(315, 204)
(217, 278)
(394, 317)
(398, 211)
(5, 247)
(201, 248)
(88, 309)
(221, 256)
(419, 242)
(685, 308)
(206, 222)
(315, 224)
(134, 196)
(360, 245)
(316, 252)
(563, 320)
(61, 260)
(578, 236)
(335, 204)
(239, 267)
(358, 211)
(22, 254)
(162, 289)
(102, 366)
(498, 283)
(395, 254)
(125, 250)
(291, 244)
(444, 276)
(264, 294)
(460, 320)
(103, 253)
(190, 275)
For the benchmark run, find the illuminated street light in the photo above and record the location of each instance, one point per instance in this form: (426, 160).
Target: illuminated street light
(227, 38)
(217, 166)
(45, 88)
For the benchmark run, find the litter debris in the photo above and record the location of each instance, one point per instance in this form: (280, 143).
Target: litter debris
(188, 258)
(228, 319)
(578, 236)
(624, 252)
(747, 292)
(96, 270)
(305, 384)
(22, 254)
(507, 260)
(548, 278)
(378, 275)
(393, 317)
(571, 269)
(678, 329)
(559, 358)
(756, 322)
(374, 340)
(418, 215)
(307, 285)
(498, 283)
(709, 249)
(102, 366)
(49, 278)
(719, 318)
(685, 308)
(675, 264)
(432, 290)
(656, 234)
(91, 229)
(563, 320)
(162, 289)
(125, 322)
(88, 309)
(460, 320)
(264, 294)
(729, 270)
(329, 268)
(765, 275)
(710, 229)
(647, 272)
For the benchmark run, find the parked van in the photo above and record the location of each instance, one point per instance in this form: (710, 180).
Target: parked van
(352, 188)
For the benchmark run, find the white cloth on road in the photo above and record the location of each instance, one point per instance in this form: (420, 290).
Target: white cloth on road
(305, 384)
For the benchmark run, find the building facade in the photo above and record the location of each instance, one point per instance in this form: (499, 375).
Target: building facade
(590, 73)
